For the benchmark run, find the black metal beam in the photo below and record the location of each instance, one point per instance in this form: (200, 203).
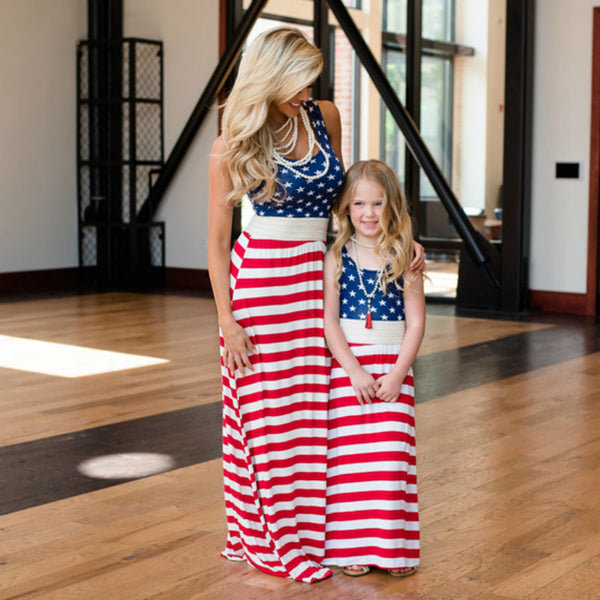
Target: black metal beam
(414, 140)
(322, 38)
(412, 184)
(105, 32)
(516, 187)
(202, 107)
(233, 17)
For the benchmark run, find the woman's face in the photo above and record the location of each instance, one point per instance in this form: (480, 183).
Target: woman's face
(280, 111)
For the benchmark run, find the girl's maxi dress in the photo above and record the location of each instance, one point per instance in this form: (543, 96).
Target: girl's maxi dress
(275, 417)
(372, 512)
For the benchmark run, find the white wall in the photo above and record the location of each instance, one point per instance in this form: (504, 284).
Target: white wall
(495, 104)
(471, 30)
(561, 132)
(189, 30)
(38, 174)
(37, 131)
(38, 209)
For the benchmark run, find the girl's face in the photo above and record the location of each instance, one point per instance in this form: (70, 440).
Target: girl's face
(365, 208)
(280, 111)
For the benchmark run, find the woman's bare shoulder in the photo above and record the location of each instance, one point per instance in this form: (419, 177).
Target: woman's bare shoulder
(219, 146)
(330, 111)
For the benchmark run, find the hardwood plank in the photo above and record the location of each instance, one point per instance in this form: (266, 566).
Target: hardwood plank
(508, 467)
(443, 333)
(175, 439)
(179, 329)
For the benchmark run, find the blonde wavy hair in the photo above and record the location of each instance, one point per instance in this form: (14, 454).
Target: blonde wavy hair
(277, 65)
(395, 243)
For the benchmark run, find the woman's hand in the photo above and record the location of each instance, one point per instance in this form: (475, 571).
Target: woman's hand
(365, 386)
(390, 386)
(237, 347)
(418, 262)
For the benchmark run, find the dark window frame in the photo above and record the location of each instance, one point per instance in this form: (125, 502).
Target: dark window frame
(422, 47)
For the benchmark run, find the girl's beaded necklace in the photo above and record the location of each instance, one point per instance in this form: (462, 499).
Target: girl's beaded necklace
(361, 283)
(286, 147)
(355, 241)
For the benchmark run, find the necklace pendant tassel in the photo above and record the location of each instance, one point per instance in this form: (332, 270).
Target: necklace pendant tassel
(368, 322)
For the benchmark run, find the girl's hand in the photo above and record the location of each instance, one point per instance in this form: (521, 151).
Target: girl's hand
(390, 386)
(237, 348)
(418, 262)
(365, 386)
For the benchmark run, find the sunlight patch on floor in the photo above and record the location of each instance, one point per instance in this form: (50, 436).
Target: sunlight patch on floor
(65, 360)
(130, 465)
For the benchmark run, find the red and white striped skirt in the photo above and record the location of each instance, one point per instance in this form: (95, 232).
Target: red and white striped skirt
(275, 418)
(372, 510)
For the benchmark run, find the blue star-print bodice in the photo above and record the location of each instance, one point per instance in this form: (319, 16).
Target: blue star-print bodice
(353, 301)
(306, 198)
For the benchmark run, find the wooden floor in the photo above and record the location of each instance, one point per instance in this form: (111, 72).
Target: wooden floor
(508, 447)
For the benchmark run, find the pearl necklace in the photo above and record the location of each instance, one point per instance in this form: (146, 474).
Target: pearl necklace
(290, 134)
(361, 283)
(355, 241)
(287, 147)
(287, 123)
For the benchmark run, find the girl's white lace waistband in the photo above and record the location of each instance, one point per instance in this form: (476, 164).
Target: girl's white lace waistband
(383, 332)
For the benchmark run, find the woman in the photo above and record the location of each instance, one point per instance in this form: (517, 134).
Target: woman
(283, 150)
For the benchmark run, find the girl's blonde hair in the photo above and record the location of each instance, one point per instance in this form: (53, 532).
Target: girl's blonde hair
(395, 242)
(277, 65)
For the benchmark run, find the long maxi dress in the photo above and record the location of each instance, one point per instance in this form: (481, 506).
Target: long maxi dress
(275, 418)
(372, 509)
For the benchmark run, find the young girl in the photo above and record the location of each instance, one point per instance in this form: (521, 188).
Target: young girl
(374, 317)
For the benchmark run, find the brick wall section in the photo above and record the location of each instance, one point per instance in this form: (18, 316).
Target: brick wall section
(344, 92)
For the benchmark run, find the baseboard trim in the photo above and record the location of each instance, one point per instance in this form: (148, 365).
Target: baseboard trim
(192, 279)
(39, 282)
(56, 281)
(558, 302)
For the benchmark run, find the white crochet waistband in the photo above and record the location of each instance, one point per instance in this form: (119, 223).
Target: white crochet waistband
(383, 332)
(288, 228)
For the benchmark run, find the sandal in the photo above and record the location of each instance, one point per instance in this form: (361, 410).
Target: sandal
(356, 570)
(404, 572)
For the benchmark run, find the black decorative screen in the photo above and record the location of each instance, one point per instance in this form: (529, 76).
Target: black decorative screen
(120, 151)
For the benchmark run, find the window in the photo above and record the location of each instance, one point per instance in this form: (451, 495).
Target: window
(454, 83)
(438, 19)
(444, 90)
(435, 114)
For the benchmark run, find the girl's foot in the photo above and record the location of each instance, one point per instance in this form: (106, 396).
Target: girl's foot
(356, 570)
(404, 572)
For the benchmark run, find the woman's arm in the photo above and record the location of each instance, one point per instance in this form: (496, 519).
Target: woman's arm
(418, 262)
(220, 216)
(363, 383)
(414, 309)
(333, 124)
